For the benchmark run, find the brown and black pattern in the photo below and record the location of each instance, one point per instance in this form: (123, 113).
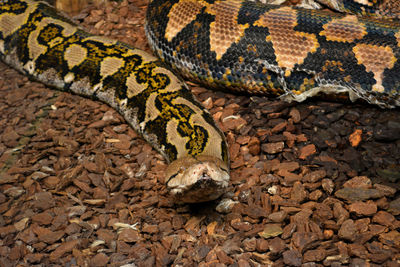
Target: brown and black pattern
(239, 45)
(280, 50)
(372, 8)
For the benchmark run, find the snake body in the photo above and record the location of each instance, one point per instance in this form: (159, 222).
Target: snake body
(39, 42)
(279, 50)
(234, 44)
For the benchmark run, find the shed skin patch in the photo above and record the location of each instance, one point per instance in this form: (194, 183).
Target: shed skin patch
(364, 2)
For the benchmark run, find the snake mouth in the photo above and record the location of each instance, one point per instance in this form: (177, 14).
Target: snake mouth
(197, 180)
(204, 189)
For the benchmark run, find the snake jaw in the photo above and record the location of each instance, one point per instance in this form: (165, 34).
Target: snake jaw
(193, 180)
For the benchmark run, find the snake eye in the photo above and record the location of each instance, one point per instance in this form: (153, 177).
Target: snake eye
(172, 177)
(225, 170)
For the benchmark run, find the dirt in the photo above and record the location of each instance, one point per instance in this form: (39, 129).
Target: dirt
(313, 184)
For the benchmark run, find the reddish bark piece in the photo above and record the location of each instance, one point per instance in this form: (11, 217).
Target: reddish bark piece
(363, 208)
(359, 182)
(355, 138)
(273, 148)
(129, 235)
(64, 248)
(306, 151)
(295, 115)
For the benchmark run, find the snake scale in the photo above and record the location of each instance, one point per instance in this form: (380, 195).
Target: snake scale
(245, 46)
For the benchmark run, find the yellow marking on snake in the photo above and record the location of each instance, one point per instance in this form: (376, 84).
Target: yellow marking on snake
(397, 35)
(151, 111)
(69, 77)
(75, 55)
(133, 87)
(9, 23)
(35, 49)
(110, 65)
(101, 39)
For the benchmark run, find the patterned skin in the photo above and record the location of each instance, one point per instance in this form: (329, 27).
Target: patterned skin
(37, 41)
(278, 50)
(239, 45)
(372, 8)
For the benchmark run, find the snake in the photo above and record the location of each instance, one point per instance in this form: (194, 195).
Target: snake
(236, 45)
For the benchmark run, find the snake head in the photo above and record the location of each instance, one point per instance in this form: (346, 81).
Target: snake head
(200, 179)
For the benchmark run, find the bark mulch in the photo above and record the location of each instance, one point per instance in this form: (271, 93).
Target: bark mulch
(313, 184)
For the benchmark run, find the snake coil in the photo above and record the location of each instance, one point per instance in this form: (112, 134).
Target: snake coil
(244, 46)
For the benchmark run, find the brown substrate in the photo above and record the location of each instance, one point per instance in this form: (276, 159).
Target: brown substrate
(315, 183)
